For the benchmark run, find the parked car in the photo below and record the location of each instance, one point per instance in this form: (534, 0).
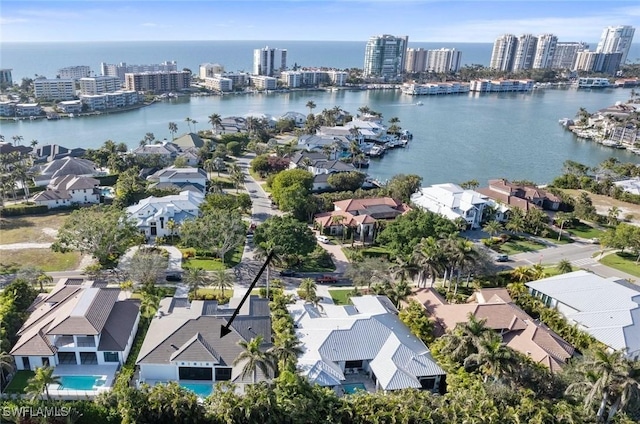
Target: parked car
(174, 276)
(288, 273)
(326, 279)
(594, 241)
(323, 239)
(502, 258)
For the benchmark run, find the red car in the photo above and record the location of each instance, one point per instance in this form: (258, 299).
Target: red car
(327, 279)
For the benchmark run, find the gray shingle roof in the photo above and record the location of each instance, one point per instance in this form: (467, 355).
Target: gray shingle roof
(119, 326)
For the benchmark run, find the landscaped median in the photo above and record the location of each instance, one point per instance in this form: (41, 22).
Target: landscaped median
(513, 244)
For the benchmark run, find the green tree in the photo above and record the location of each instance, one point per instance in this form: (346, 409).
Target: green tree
(105, 232)
(346, 181)
(289, 238)
(429, 256)
(216, 121)
(234, 148)
(492, 228)
(415, 317)
(196, 278)
(173, 129)
(286, 351)
(562, 219)
(308, 289)
(466, 338)
(129, 187)
(254, 358)
(147, 266)
(402, 186)
(564, 266)
(217, 230)
(470, 185)
(311, 105)
(289, 178)
(222, 280)
(494, 358)
(7, 366)
(149, 302)
(39, 383)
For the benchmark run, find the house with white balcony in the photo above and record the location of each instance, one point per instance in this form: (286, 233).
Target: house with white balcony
(153, 214)
(80, 328)
(184, 342)
(191, 179)
(453, 202)
(362, 344)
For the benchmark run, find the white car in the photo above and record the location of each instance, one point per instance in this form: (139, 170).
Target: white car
(323, 239)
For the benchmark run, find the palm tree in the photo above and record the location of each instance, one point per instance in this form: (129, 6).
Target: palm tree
(196, 278)
(149, 304)
(308, 289)
(188, 121)
(493, 228)
(286, 351)
(17, 139)
(562, 218)
(173, 129)
(516, 222)
(522, 274)
(40, 382)
(311, 105)
(194, 122)
(215, 120)
(221, 279)
(7, 366)
(612, 216)
(494, 358)
(255, 359)
(609, 380)
(237, 176)
(43, 279)
(34, 143)
(429, 256)
(465, 339)
(564, 266)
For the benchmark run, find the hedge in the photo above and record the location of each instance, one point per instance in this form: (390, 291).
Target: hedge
(23, 209)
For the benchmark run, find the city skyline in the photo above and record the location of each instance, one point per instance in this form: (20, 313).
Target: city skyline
(335, 20)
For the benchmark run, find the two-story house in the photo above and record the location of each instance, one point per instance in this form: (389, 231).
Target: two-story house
(453, 202)
(69, 190)
(320, 166)
(184, 343)
(520, 196)
(65, 166)
(190, 179)
(152, 215)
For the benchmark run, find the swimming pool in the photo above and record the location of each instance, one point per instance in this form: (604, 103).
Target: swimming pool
(82, 382)
(353, 388)
(202, 390)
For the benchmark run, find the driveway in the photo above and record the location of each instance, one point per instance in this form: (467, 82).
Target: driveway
(339, 258)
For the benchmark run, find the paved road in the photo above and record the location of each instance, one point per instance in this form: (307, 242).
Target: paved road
(261, 204)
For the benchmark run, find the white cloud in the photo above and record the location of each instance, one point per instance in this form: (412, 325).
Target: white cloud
(9, 21)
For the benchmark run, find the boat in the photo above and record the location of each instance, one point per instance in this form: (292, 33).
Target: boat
(376, 151)
(419, 103)
(406, 135)
(589, 82)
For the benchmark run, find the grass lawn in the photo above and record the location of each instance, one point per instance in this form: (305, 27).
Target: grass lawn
(585, 231)
(208, 264)
(19, 382)
(624, 262)
(45, 259)
(22, 229)
(311, 264)
(340, 296)
(164, 291)
(514, 246)
(370, 251)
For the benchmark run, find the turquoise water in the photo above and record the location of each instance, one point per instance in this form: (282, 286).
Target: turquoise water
(200, 389)
(353, 388)
(81, 382)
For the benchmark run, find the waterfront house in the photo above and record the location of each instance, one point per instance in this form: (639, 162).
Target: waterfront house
(518, 330)
(453, 202)
(183, 343)
(191, 179)
(189, 140)
(320, 166)
(299, 118)
(69, 190)
(520, 196)
(363, 343)
(631, 186)
(168, 152)
(50, 152)
(79, 167)
(500, 86)
(359, 215)
(338, 145)
(606, 308)
(153, 214)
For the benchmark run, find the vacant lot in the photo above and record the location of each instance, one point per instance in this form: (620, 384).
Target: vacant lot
(45, 259)
(604, 203)
(31, 229)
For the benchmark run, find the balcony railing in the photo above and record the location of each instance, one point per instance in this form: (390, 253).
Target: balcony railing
(68, 342)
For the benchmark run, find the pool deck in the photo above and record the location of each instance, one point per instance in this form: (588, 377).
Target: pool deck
(75, 370)
(360, 377)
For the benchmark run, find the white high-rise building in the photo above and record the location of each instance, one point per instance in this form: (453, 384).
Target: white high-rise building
(384, 56)
(74, 72)
(268, 61)
(54, 89)
(566, 54)
(122, 68)
(99, 85)
(503, 52)
(545, 49)
(525, 52)
(616, 39)
(209, 70)
(443, 60)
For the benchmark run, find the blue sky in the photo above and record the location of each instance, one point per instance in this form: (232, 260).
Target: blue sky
(349, 20)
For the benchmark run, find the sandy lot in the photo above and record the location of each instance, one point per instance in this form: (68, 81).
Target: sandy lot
(604, 203)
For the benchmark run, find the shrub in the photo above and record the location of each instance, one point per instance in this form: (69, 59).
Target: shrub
(234, 148)
(24, 209)
(188, 253)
